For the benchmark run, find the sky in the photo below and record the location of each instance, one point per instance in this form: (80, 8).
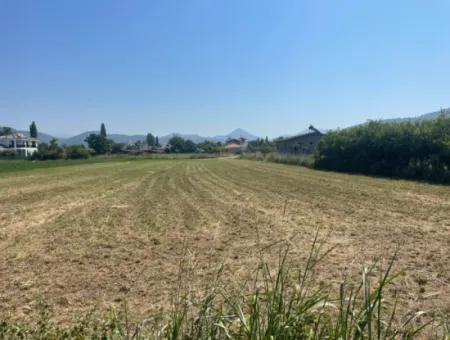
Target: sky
(210, 66)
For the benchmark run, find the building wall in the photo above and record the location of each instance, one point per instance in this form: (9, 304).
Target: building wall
(305, 144)
(21, 146)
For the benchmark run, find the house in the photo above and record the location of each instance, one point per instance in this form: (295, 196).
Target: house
(19, 144)
(236, 145)
(304, 143)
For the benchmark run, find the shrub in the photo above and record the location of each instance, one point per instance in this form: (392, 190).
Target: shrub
(8, 154)
(408, 150)
(78, 152)
(49, 151)
(302, 160)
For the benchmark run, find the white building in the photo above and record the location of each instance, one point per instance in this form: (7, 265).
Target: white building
(22, 145)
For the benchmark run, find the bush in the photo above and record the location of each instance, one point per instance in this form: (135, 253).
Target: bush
(49, 151)
(407, 150)
(78, 152)
(302, 160)
(8, 154)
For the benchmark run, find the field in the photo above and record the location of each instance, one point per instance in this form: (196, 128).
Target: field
(94, 235)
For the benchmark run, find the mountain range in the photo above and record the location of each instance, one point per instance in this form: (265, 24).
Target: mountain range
(426, 116)
(122, 138)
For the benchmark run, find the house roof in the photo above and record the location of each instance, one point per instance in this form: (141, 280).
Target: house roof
(232, 146)
(310, 131)
(18, 136)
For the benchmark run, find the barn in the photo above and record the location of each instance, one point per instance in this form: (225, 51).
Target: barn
(304, 143)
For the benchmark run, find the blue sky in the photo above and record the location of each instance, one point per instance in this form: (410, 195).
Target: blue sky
(209, 66)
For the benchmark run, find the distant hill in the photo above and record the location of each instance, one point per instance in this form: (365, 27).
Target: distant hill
(236, 134)
(426, 116)
(121, 138)
(118, 138)
(43, 137)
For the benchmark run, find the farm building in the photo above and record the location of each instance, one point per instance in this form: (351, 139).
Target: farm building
(304, 143)
(19, 144)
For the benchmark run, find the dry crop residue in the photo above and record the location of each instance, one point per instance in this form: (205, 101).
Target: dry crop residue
(94, 235)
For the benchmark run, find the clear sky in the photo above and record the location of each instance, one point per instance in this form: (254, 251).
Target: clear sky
(210, 66)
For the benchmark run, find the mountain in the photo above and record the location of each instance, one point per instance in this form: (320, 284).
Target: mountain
(43, 137)
(426, 116)
(236, 134)
(121, 138)
(118, 138)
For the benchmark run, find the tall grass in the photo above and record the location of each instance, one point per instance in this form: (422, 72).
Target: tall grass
(283, 304)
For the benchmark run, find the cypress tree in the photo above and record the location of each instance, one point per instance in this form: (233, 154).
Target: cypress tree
(33, 130)
(103, 130)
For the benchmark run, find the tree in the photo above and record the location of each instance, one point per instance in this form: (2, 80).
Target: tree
(33, 130)
(150, 139)
(5, 131)
(410, 150)
(99, 143)
(176, 144)
(189, 146)
(77, 152)
(209, 147)
(103, 130)
(53, 143)
(49, 151)
(117, 147)
(157, 142)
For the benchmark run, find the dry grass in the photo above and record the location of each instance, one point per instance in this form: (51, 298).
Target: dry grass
(97, 234)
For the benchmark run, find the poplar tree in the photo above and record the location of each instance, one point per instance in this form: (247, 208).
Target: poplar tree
(103, 130)
(33, 130)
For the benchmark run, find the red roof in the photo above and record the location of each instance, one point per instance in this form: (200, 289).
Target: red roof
(232, 146)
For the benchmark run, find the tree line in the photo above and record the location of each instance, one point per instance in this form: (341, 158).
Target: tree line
(100, 144)
(407, 150)
(263, 145)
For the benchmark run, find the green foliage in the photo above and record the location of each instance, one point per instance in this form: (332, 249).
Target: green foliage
(5, 130)
(150, 140)
(78, 152)
(189, 146)
(103, 131)
(209, 147)
(303, 160)
(178, 144)
(117, 148)
(157, 142)
(49, 151)
(8, 154)
(407, 150)
(99, 143)
(261, 145)
(33, 130)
